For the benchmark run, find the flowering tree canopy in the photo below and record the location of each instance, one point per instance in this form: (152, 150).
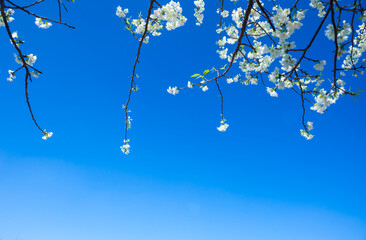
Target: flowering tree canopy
(256, 44)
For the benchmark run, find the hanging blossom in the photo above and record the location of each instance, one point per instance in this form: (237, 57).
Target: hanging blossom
(26, 61)
(305, 133)
(198, 11)
(42, 23)
(169, 17)
(223, 126)
(46, 134)
(126, 147)
(29, 59)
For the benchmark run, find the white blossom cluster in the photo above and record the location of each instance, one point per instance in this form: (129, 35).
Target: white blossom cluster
(319, 6)
(46, 135)
(342, 34)
(198, 11)
(223, 126)
(305, 133)
(9, 18)
(42, 23)
(125, 148)
(168, 16)
(356, 50)
(121, 12)
(270, 44)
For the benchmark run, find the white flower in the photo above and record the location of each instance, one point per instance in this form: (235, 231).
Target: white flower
(310, 126)
(200, 7)
(31, 59)
(173, 90)
(272, 92)
(11, 77)
(306, 135)
(225, 14)
(41, 23)
(126, 147)
(9, 19)
(46, 134)
(205, 88)
(146, 39)
(14, 35)
(121, 13)
(223, 127)
(189, 85)
(320, 66)
(300, 15)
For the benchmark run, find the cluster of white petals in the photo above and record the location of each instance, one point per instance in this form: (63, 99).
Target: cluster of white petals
(320, 65)
(198, 11)
(125, 148)
(46, 135)
(173, 90)
(9, 18)
(121, 12)
(29, 59)
(42, 23)
(318, 5)
(324, 99)
(167, 17)
(356, 50)
(11, 76)
(223, 127)
(305, 133)
(342, 34)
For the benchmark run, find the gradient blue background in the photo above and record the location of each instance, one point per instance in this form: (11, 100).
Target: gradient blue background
(260, 180)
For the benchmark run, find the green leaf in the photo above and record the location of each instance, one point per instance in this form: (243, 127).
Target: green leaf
(205, 72)
(196, 75)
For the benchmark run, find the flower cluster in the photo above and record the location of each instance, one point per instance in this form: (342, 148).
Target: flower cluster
(9, 18)
(121, 12)
(29, 59)
(42, 23)
(319, 6)
(168, 16)
(11, 76)
(126, 147)
(223, 126)
(305, 133)
(198, 11)
(357, 49)
(342, 34)
(46, 134)
(173, 90)
(324, 99)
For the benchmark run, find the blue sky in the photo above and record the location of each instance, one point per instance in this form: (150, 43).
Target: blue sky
(183, 179)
